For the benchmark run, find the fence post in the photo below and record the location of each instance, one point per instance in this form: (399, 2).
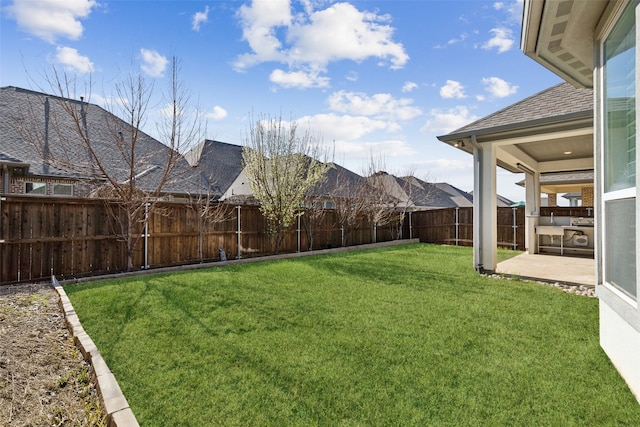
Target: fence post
(457, 225)
(299, 215)
(515, 229)
(146, 236)
(238, 233)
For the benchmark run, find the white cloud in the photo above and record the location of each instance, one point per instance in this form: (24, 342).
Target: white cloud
(200, 18)
(259, 23)
(299, 79)
(344, 32)
(352, 76)
(502, 40)
(362, 150)
(452, 89)
(513, 9)
(73, 61)
(218, 113)
(409, 86)
(153, 64)
(50, 19)
(379, 105)
(312, 39)
(445, 121)
(333, 127)
(498, 88)
(462, 37)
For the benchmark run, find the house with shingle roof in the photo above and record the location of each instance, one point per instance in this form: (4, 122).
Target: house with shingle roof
(42, 154)
(577, 184)
(213, 167)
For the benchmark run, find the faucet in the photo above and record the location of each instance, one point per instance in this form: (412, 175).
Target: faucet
(551, 218)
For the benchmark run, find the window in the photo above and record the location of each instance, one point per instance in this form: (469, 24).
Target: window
(35, 188)
(619, 154)
(62, 189)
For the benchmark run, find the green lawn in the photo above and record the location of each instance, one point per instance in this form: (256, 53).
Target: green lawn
(408, 335)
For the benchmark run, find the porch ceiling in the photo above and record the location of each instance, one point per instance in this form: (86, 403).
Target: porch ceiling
(568, 147)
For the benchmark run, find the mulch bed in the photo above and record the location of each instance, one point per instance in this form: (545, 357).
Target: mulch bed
(44, 381)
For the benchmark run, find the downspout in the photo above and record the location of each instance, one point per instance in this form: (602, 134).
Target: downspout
(478, 234)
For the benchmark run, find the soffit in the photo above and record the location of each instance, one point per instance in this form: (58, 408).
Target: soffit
(559, 34)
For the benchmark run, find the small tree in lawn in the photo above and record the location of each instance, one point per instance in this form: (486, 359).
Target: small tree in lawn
(281, 166)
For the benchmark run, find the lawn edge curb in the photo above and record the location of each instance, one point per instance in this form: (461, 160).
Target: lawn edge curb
(187, 267)
(119, 414)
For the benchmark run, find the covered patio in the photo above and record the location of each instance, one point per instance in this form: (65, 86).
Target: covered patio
(550, 268)
(551, 131)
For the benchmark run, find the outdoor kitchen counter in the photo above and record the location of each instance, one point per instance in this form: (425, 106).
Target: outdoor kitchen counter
(553, 233)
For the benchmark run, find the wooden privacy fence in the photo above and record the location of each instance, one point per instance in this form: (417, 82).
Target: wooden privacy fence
(454, 226)
(75, 237)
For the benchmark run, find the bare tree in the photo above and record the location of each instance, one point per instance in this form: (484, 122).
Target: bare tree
(207, 213)
(313, 216)
(108, 148)
(281, 167)
(349, 197)
(381, 202)
(418, 192)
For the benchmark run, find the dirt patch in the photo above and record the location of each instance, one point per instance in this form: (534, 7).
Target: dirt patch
(44, 381)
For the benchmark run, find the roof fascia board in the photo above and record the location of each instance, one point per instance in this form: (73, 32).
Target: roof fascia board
(572, 120)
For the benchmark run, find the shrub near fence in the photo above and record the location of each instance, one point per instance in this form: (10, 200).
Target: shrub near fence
(72, 237)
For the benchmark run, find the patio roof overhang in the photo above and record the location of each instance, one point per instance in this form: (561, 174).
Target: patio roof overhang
(553, 144)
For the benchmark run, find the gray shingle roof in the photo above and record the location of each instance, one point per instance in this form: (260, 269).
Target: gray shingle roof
(28, 136)
(556, 104)
(214, 165)
(564, 178)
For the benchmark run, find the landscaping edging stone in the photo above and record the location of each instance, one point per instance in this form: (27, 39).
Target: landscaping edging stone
(119, 414)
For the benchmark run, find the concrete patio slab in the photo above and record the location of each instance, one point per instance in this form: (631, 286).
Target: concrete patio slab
(550, 268)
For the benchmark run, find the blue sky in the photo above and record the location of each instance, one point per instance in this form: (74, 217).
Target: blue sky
(368, 77)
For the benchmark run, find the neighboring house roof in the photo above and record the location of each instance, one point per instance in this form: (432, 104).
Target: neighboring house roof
(578, 177)
(339, 182)
(435, 195)
(36, 130)
(214, 166)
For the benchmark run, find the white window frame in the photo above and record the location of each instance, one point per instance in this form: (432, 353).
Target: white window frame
(626, 193)
(53, 189)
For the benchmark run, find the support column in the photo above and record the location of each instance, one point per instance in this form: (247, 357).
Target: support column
(485, 211)
(531, 209)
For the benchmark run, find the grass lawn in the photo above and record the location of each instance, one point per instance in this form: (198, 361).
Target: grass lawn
(407, 335)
